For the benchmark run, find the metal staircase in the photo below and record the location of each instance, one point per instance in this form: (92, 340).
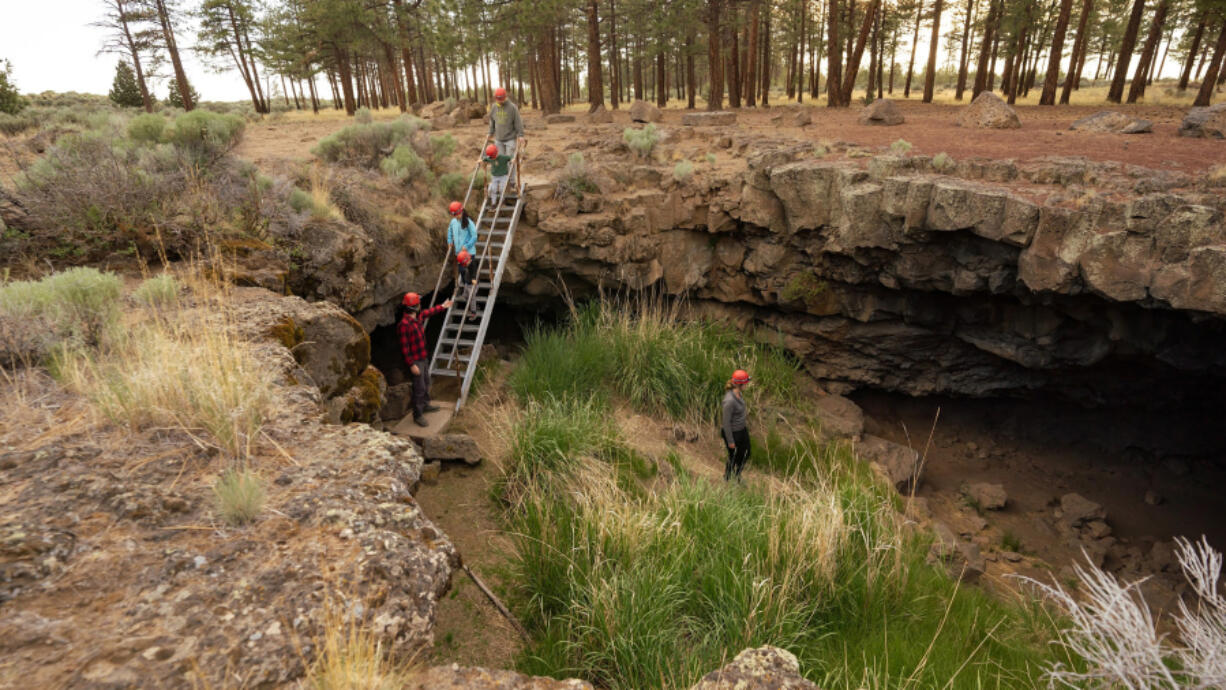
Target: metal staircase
(459, 344)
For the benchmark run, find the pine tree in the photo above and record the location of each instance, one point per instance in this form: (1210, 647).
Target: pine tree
(175, 99)
(11, 101)
(124, 90)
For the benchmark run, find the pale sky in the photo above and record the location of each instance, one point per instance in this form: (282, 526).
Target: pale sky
(52, 46)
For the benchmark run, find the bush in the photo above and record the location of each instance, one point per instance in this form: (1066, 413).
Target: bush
(74, 308)
(576, 178)
(11, 101)
(205, 136)
(159, 291)
(363, 145)
(125, 91)
(16, 124)
(452, 185)
(146, 128)
(240, 496)
(641, 141)
(442, 146)
(901, 147)
(404, 165)
(683, 171)
(711, 158)
(942, 162)
(362, 116)
(315, 203)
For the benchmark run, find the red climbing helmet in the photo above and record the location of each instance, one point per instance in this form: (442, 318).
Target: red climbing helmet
(463, 257)
(491, 151)
(412, 299)
(500, 94)
(455, 208)
(740, 377)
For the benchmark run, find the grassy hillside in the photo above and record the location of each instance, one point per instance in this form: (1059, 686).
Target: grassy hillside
(635, 571)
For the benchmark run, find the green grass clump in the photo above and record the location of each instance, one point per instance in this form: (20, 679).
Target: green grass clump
(901, 147)
(643, 352)
(146, 128)
(404, 165)
(942, 162)
(452, 185)
(576, 178)
(239, 495)
(442, 146)
(158, 291)
(683, 171)
(641, 141)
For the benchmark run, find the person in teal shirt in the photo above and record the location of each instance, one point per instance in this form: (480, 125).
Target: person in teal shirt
(462, 231)
(500, 167)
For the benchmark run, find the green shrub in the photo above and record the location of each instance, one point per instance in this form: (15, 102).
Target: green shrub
(146, 128)
(576, 178)
(683, 171)
(158, 291)
(362, 116)
(404, 165)
(11, 101)
(452, 185)
(901, 147)
(74, 308)
(205, 136)
(820, 151)
(942, 162)
(442, 146)
(363, 145)
(711, 158)
(16, 124)
(240, 496)
(641, 141)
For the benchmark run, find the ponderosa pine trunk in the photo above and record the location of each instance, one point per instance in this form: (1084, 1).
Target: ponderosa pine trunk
(1116, 93)
(1079, 47)
(715, 62)
(691, 81)
(1186, 75)
(919, 12)
(765, 58)
(930, 73)
(834, 60)
(853, 62)
(751, 56)
(146, 99)
(1148, 52)
(1211, 77)
(1051, 80)
(963, 61)
(168, 36)
(595, 76)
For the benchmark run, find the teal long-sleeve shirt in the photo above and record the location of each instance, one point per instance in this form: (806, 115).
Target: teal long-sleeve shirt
(462, 236)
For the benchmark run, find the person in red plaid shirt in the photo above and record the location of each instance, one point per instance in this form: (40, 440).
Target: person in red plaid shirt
(413, 346)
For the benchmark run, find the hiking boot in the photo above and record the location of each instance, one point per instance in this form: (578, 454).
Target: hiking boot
(420, 421)
(432, 408)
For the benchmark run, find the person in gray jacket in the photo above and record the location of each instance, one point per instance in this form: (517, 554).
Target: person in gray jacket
(506, 126)
(735, 428)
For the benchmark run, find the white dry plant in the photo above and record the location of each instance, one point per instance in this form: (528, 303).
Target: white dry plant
(1116, 635)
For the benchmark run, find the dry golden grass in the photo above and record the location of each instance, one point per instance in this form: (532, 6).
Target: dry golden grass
(350, 656)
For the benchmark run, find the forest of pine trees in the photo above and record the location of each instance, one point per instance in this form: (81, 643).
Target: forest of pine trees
(729, 53)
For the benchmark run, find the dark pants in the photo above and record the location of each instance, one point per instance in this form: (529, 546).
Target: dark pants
(463, 279)
(421, 387)
(736, 456)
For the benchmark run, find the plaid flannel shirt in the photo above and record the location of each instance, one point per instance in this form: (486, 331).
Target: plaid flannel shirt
(413, 336)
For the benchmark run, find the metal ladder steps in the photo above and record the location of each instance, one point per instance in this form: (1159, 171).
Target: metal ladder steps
(461, 343)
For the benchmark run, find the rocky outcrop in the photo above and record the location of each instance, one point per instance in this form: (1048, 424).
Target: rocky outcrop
(988, 111)
(897, 464)
(882, 111)
(1112, 122)
(460, 447)
(559, 119)
(720, 118)
(764, 668)
(985, 495)
(456, 677)
(642, 111)
(1209, 123)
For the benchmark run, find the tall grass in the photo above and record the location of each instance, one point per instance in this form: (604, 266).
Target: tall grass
(240, 496)
(630, 584)
(641, 350)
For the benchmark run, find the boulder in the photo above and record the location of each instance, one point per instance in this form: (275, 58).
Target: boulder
(451, 447)
(1112, 122)
(896, 463)
(477, 111)
(804, 117)
(719, 118)
(559, 119)
(988, 111)
(396, 401)
(764, 668)
(1076, 510)
(1209, 123)
(430, 471)
(599, 116)
(442, 122)
(986, 496)
(882, 111)
(456, 677)
(642, 111)
(840, 417)
(961, 559)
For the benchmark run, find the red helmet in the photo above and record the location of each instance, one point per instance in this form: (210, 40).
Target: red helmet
(491, 151)
(500, 94)
(463, 257)
(740, 377)
(455, 208)
(412, 299)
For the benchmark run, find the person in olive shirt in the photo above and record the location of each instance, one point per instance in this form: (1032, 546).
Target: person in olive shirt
(500, 167)
(506, 126)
